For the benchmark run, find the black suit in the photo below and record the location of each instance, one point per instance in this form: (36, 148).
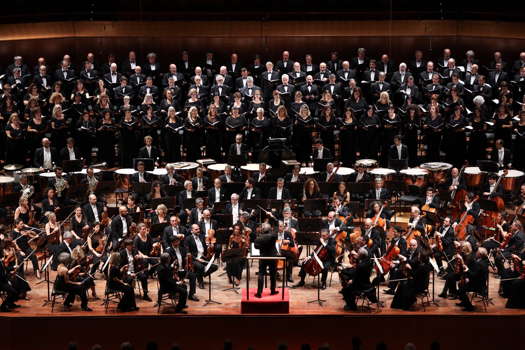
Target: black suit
(256, 194)
(266, 244)
(167, 284)
(507, 156)
(64, 154)
(90, 215)
(212, 198)
(327, 154)
(205, 183)
(38, 159)
(282, 69)
(383, 195)
(117, 230)
(198, 266)
(360, 278)
(169, 232)
(272, 193)
(394, 154)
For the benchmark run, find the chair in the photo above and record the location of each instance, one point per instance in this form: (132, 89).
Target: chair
(57, 293)
(424, 299)
(366, 304)
(483, 295)
(111, 296)
(163, 298)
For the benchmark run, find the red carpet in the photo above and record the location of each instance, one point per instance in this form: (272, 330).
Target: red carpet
(268, 304)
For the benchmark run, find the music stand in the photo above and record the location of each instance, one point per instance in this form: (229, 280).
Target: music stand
(318, 300)
(210, 300)
(320, 164)
(45, 270)
(157, 229)
(142, 188)
(398, 164)
(237, 160)
(70, 166)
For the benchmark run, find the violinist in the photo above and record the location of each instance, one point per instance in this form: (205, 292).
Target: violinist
(21, 237)
(93, 210)
(475, 278)
(416, 221)
(116, 282)
(471, 205)
(130, 256)
(235, 255)
(98, 246)
(361, 175)
(174, 229)
(195, 244)
(328, 243)
(180, 260)
(6, 286)
(372, 235)
(64, 283)
(379, 192)
(79, 225)
(413, 269)
(431, 200)
(513, 242)
(340, 210)
(120, 227)
(266, 243)
(358, 281)
(444, 248)
(395, 273)
(14, 263)
(169, 282)
(455, 270)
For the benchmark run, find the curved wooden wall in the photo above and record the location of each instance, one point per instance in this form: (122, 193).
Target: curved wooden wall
(399, 38)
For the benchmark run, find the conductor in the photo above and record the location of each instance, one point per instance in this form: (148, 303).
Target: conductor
(266, 244)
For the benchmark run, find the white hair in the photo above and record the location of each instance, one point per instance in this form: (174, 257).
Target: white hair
(478, 100)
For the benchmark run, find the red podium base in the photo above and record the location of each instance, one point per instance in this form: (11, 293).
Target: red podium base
(268, 304)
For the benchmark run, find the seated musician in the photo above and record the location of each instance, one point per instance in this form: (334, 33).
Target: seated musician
(455, 182)
(21, 238)
(200, 182)
(501, 155)
(474, 278)
(295, 175)
(116, 281)
(311, 191)
(120, 228)
(93, 210)
(229, 176)
(329, 175)
(444, 250)
(187, 193)
(91, 180)
(416, 221)
(516, 288)
(398, 151)
(50, 203)
(340, 210)
(234, 208)
(373, 236)
(171, 178)
(141, 176)
(136, 269)
(98, 246)
(333, 224)
(235, 254)
(413, 269)
(238, 150)
(61, 186)
(356, 280)
(490, 189)
(160, 215)
(65, 283)
(464, 254)
(150, 151)
(169, 282)
(262, 175)
(194, 215)
(395, 270)
(379, 192)
(179, 258)
(148, 250)
(12, 294)
(216, 193)
(173, 230)
(279, 192)
(321, 152)
(195, 245)
(287, 247)
(131, 204)
(328, 243)
(513, 242)
(361, 175)
(431, 200)
(68, 243)
(471, 205)
(250, 191)
(156, 192)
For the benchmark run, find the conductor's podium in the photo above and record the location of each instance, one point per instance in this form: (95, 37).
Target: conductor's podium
(268, 304)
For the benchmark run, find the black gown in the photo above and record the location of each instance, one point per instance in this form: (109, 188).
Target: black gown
(258, 135)
(433, 134)
(518, 161)
(192, 139)
(454, 141)
(128, 142)
(411, 128)
(302, 138)
(326, 129)
(106, 142)
(348, 137)
(369, 136)
(213, 131)
(477, 142)
(173, 140)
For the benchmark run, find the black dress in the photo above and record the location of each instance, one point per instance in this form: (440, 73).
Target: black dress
(258, 136)
(106, 142)
(282, 128)
(477, 142)
(433, 134)
(173, 140)
(127, 302)
(234, 126)
(15, 146)
(213, 131)
(151, 125)
(454, 141)
(302, 138)
(86, 137)
(34, 139)
(503, 133)
(411, 128)
(128, 142)
(235, 264)
(192, 139)
(391, 128)
(348, 137)
(369, 136)
(326, 129)
(59, 133)
(519, 147)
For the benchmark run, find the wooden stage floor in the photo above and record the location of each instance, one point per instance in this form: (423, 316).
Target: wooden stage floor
(206, 327)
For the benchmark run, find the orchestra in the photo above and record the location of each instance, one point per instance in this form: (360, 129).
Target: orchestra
(383, 175)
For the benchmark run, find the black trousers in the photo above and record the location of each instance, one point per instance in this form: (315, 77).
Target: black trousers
(350, 293)
(271, 265)
(179, 289)
(451, 280)
(74, 289)
(128, 298)
(142, 277)
(199, 267)
(192, 279)
(235, 266)
(324, 273)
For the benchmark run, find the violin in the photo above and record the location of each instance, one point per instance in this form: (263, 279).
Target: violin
(156, 249)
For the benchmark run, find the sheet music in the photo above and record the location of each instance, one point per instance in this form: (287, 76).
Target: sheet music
(254, 251)
(209, 264)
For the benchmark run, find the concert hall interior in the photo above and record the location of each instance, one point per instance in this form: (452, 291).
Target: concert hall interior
(262, 175)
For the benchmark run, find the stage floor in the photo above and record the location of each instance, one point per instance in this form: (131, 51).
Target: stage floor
(231, 301)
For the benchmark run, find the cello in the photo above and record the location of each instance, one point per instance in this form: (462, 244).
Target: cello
(311, 265)
(465, 220)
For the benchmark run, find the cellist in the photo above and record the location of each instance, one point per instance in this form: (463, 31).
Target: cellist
(444, 248)
(358, 281)
(512, 243)
(327, 243)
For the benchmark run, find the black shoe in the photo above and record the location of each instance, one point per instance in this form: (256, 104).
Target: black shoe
(86, 309)
(389, 291)
(134, 308)
(4, 309)
(201, 285)
(274, 292)
(323, 285)
(146, 297)
(180, 311)
(257, 295)
(300, 284)
(443, 295)
(193, 297)
(468, 308)
(185, 306)
(14, 306)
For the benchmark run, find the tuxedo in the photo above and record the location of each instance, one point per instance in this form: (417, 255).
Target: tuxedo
(222, 90)
(266, 178)
(249, 92)
(393, 153)
(154, 153)
(256, 194)
(170, 231)
(149, 71)
(507, 156)
(38, 159)
(120, 91)
(153, 90)
(365, 178)
(495, 78)
(136, 179)
(398, 80)
(183, 195)
(284, 68)
(272, 193)
(117, 230)
(90, 215)
(212, 195)
(205, 183)
(65, 75)
(137, 80)
(65, 155)
(39, 80)
(367, 76)
(178, 77)
(108, 79)
(234, 71)
(327, 154)
(383, 194)
(126, 67)
(268, 83)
